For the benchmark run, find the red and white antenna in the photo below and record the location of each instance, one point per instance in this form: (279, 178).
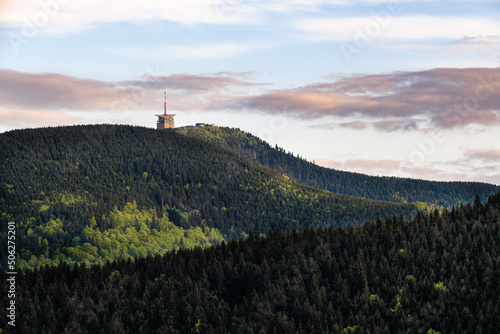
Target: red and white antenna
(165, 103)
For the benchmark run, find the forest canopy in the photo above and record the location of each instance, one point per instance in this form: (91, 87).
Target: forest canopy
(64, 187)
(434, 273)
(394, 189)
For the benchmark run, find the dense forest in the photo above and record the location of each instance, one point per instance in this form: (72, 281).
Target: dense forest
(97, 193)
(434, 273)
(373, 187)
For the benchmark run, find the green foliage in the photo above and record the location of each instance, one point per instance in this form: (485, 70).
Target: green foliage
(134, 233)
(52, 227)
(426, 195)
(114, 275)
(440, 287)
(329, 280)
(398, 305)
(196, 328)
(410, 278)
(431, 331)
(81, 175)
(350, 329)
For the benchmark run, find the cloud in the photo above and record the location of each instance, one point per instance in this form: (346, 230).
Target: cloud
(68, 17)
(75, 16)
(310, 104)
(462, 118)
(328, 163)
(35, 118)
(377, 167)
(50, 91)
(445, 97)
(53, 91)
(370, 164)
(479, 38)
(483, 154)
(493, 179)
(59, 17)
(401, 101)
(401, 168)
(396, 125)
(388, 125)
(356, 125)
(395, 27)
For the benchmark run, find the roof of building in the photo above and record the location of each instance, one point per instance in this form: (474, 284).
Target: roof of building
(163, 116)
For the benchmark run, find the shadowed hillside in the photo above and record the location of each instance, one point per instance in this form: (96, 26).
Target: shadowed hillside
(97, 193)
(392, 189)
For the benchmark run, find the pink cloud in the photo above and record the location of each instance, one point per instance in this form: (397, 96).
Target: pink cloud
(36, 118)
(389, 167)
(50, 91)
(396, 124)
(372, 164)
(327, 163)
(444, 98)
(357, 125)
(484, 154)
(387, 125)
(447, 97)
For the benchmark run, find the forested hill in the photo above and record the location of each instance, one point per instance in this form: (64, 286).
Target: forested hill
(374, 187)
(436, 273)
(97, 193)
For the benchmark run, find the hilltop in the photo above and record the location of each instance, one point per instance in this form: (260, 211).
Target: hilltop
(394, 189)
(104, 192)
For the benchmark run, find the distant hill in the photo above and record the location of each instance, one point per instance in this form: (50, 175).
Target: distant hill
(97, 193)
(384, 188)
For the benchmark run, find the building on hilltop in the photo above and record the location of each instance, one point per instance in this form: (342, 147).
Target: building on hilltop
(165, 121)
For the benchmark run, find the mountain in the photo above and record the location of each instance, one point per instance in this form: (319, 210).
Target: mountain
(97, 193)
(435, 273)
(384, 188)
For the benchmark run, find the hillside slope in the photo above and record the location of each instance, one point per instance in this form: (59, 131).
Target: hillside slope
(436, 273)
(96, 193)
(373, 187)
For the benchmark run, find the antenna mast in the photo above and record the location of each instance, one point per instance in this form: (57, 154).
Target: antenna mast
(165, 121)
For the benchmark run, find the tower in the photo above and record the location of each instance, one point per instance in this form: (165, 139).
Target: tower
(165, 121)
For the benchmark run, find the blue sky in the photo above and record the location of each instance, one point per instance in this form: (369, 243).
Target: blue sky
(407, 88)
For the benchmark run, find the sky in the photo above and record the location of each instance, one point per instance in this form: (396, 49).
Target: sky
(406, 88)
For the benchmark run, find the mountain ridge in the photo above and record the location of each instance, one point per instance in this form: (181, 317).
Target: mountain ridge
(387, 188)
(74, 191)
